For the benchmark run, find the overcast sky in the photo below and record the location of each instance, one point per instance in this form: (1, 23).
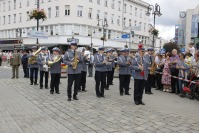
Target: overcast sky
(170, 14)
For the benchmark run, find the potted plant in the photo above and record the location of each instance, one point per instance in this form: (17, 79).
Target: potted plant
(37, 14)
(154, 32)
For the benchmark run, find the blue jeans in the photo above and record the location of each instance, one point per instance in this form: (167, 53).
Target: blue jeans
(181, 84)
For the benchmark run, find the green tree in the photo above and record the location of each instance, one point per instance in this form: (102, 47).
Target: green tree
(170, 46)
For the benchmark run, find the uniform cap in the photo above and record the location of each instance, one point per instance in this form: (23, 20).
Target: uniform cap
(73, 43)
(101, 48)
(34, 47)
(56, 49)
(44, 48)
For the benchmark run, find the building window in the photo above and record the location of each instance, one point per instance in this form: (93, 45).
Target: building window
(106, 3)
(67, 10)
(125, 7)
(135, 24)
(8, 5)
(14, 18)
(20, 4)
(4, 19)
(140, 25)
(124, 21)
(57, 11)
(90, 13)
(144, 26)
(51, 30)
(112, 18)
(49, 12)
(113, 4)
(28, 2)
(136, 11)
(119, 6)
(130, 10)
(20, 17)
(98, 2)
(79, 11)
(28, 18)
(14, 4)
(118, 20)
(129, 22)
(98, 14)
(4, 6)
(105, 15)
(140, 13)
(8, 19)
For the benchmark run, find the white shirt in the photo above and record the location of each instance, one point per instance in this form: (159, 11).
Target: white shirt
(192, 51)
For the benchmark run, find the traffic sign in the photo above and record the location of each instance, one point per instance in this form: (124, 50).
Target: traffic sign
(38, 34)
(125, 36)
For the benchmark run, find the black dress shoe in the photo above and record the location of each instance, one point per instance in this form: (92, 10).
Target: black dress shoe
(35, 84)
(103, 96)
(84, 90)
(137, 103)
(12, 77)
(150, 93)
(127, 94)
(147, 92)
(46, 87)
(31, 83)
(51, 92)
(41, 87)
(58, 92)
(111, 84)
(141, 103)
(121, 94)
(69, 99)
(99, 96)
(79, 90)
(75, 98)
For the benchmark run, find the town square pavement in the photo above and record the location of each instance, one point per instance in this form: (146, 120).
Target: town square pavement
(28, 109)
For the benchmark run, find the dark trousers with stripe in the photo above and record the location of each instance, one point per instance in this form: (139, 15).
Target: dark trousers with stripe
(76, 79)
(44, 74)
(138, 89)
(100, 79)
(124, 83)
(83, 81)
(54, 83)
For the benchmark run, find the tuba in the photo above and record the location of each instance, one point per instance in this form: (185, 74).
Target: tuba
(153, 68)
(76, 60)
(56, 59)
(33, 58)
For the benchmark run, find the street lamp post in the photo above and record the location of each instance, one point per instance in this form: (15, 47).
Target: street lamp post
(155, 11)
(104, 24)
(37, 21)
(92, 31)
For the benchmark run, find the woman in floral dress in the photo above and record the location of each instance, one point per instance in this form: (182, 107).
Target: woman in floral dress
(166, 79)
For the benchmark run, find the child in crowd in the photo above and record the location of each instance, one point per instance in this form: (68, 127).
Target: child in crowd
(166, 79)
(188, 62)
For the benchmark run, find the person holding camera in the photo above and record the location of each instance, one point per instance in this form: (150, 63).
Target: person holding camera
(15, 63)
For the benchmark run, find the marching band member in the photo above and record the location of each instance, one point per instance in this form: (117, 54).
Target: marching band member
(109, 68)
(100, 72)
(72, 59)
(83, 65)
(140, 65)
(34, 67)
(124, 72)
(55, 70)
(151, 68)
(42, 61)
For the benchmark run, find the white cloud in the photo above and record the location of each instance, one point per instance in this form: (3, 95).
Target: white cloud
(166, 32)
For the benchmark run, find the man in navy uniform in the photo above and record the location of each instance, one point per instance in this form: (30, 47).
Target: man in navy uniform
(34, 67)
(108, 68)
(140, 65)
(100, 72)
(74, 75)
(151, 77)
(83, 65)
(42, 61)
(55, 70)
(124, 72)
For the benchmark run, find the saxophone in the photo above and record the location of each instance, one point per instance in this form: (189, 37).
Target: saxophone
(55, 59)
(76, 60)
(33, 58)
(153, 68)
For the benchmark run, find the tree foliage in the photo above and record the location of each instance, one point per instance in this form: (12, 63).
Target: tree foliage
(170, 46)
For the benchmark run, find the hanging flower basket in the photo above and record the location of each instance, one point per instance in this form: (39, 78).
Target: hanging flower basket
(154, 32)
(103, 38)
(37, 14)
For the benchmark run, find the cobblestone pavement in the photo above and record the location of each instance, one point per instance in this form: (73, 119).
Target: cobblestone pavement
(28, 109)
